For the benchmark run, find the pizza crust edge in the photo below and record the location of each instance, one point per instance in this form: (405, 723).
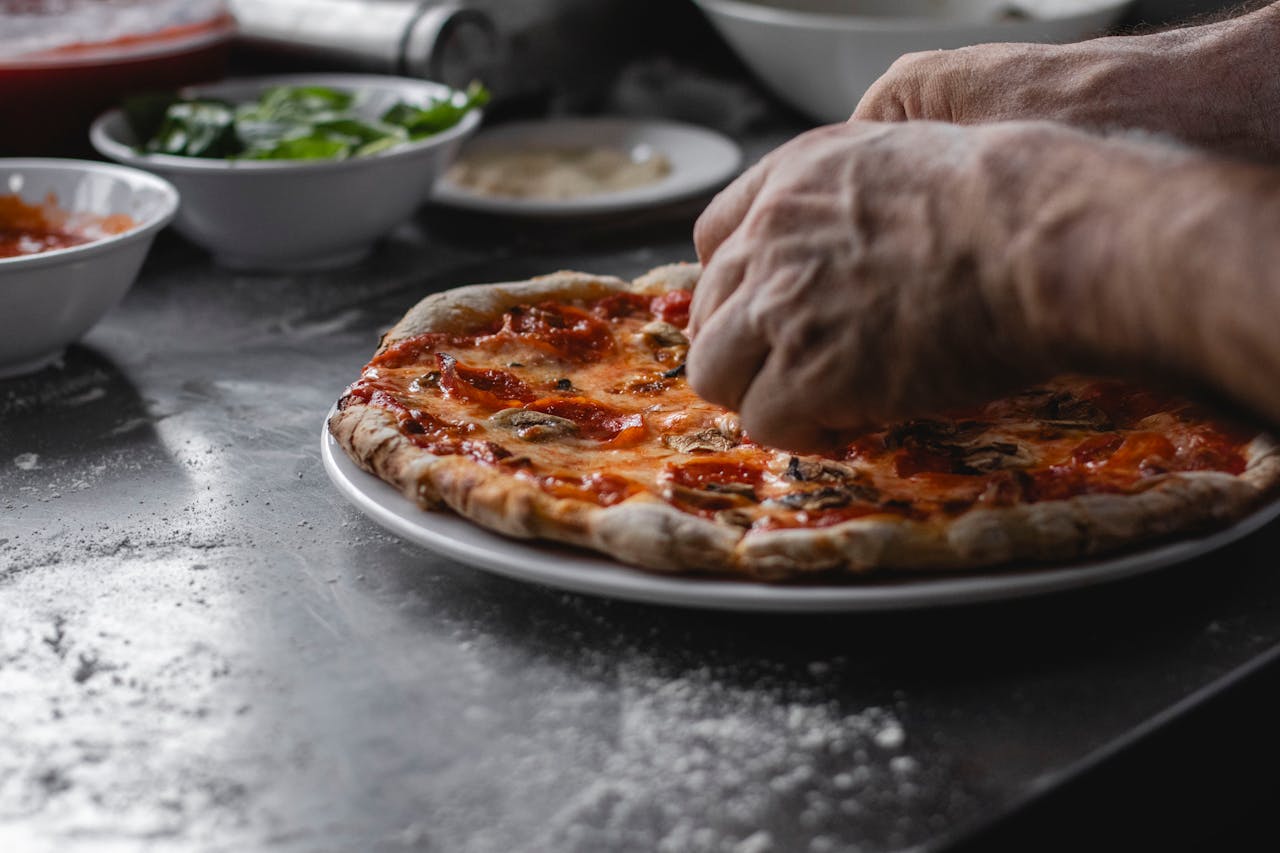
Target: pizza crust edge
(643, 531)
(647, 532)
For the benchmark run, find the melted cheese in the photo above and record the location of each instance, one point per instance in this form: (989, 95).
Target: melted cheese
(1073, 435)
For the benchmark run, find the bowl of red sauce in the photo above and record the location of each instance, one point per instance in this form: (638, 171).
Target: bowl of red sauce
(62, 62)
(73, 235)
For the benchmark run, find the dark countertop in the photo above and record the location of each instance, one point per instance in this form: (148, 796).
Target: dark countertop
(203, 646)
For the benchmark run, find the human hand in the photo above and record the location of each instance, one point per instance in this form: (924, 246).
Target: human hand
(1209, 86)
(867, 272)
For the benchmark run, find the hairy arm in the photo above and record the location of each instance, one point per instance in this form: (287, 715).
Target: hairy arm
(1172, 267)
(1215, 86)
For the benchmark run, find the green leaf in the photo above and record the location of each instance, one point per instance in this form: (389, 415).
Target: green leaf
(438, 115)
(314, 147)
(197, 129)
(364, 131)
(289, 122)
(297, 103)
(145, 113)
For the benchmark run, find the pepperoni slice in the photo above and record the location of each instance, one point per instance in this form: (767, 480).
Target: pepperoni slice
(595, 420)
(673, 307)
(704, 473)
(910, 462)
(1096, 450)
(1209, 449)
(621, 305)
(601, 488)
(494, 389)
(422, 428)
(1142, 451)
(414, 351)
(1127, 404)
(563, 330)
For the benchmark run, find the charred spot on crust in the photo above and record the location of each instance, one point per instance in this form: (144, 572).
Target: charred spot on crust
(488, 451)
(678, 370)
(564, 385)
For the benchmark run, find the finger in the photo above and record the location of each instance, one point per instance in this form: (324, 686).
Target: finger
(880, 103)
(777, 410)
(724, 359)
(716, 284)
(726, 211)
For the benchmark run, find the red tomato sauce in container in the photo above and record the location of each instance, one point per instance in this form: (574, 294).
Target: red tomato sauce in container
(56, 75)
(27, 229)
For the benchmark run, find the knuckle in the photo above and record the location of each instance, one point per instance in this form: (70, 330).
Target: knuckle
(911, 64)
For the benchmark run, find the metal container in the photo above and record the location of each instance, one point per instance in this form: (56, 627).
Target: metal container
(446, 42)
(557, 52)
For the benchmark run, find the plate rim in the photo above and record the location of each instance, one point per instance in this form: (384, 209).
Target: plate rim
(447, 194)
(584, 572)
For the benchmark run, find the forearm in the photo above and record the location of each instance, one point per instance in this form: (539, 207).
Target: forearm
(1173, 268)
(1221, 87)
(1215, 86)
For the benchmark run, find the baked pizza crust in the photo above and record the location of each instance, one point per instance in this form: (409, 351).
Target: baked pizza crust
(647, 532)
(643, 530)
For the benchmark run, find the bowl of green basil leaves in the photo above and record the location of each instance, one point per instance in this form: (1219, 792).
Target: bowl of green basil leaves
(294, 172)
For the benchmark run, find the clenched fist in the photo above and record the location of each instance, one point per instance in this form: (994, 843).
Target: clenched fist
(868, 272)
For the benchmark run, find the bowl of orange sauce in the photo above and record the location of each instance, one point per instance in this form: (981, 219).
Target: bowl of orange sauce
(73, 235)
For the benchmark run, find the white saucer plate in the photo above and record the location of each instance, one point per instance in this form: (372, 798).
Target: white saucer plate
(701, 161)
(585, 572)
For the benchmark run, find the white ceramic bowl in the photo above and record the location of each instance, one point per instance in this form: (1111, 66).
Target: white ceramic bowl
(821, 56)
(48, 300)
(300, 214)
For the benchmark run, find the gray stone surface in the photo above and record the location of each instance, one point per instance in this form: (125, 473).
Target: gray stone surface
(204, 647)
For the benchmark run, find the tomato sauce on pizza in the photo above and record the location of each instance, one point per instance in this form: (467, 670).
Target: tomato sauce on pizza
(585, 400)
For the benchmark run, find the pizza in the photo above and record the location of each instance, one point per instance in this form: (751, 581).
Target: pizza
(556, 408)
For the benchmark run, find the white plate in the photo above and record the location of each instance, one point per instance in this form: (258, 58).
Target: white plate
(701, 161)
(586, 572)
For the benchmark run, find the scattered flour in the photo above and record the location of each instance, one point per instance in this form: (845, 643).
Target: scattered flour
(703, 765)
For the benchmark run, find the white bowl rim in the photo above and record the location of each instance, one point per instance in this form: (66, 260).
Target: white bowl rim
(110, 146)
(153, 46)
(767, 14)
(161, 218)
